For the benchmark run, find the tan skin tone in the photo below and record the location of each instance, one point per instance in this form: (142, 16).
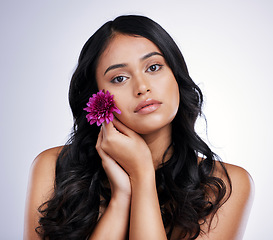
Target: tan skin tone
(134, 70)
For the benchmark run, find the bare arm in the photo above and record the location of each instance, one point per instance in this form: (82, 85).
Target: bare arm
(145, 220)
(113, 225)
(132, 153)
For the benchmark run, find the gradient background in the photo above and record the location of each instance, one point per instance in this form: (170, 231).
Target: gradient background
(227, 46)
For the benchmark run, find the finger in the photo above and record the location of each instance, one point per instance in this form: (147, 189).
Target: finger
(122, 128)
(101, 152)
(107, 128)
(108, 162)
(106, 159)
(99, 140)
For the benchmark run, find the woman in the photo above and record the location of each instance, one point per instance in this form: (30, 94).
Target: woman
(140, 176)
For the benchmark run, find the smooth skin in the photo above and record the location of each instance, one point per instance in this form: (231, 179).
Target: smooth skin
(131, 148)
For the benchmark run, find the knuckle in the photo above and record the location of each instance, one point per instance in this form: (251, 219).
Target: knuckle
(107, 142)
(97, 146)
(104, 145)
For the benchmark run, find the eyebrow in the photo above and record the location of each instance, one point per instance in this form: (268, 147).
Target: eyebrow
(122, 65)
(150, 55)
(112, 67)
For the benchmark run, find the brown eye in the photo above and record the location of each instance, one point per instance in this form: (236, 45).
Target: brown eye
(118, 79)
(154, 68)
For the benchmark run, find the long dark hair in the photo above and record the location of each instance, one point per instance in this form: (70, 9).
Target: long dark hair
(184, 185)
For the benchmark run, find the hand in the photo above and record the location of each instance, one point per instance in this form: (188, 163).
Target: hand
(127, 148)
(118, 178)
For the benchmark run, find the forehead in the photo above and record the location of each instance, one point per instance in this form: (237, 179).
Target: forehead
(123, 48)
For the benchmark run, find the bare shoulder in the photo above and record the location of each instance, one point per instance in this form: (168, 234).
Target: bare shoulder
(47, 158)
(42, 173)
(242, 185)
(40, 188)
(241, 181)
(43, 167)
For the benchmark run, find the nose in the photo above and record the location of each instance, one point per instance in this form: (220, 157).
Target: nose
(142, 86)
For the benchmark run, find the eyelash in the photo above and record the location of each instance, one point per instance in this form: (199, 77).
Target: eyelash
(115, 80)
(158, 67)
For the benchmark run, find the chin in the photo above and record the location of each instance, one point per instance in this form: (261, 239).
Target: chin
(152, 128)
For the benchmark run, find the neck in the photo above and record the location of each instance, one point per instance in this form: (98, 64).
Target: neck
(158, 142)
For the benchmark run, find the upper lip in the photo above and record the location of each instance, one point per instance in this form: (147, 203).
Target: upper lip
(146, 103)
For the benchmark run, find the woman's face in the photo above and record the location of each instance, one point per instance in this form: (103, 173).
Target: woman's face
(144, 87)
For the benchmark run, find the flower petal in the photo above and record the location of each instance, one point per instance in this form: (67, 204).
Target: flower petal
(100, 108)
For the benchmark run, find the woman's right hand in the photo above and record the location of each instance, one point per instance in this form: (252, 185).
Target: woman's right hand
(118, 178)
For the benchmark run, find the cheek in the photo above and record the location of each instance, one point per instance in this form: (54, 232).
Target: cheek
(173, 93)
(122, 102)
(174, 99)
(177, 96)
(119, 98)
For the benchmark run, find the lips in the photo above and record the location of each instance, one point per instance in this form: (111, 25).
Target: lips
(149, 103)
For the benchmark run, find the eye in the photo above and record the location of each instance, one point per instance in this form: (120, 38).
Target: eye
(154, 68)
(118, 79)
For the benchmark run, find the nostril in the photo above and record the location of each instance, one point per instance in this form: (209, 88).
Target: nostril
(148, 90)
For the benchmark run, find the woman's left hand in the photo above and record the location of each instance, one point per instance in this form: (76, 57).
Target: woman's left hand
(127, 148)
(118, 178)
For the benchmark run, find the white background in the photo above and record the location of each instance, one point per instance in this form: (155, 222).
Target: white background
(227, 46)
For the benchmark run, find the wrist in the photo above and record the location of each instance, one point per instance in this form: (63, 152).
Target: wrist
(145, 170)
(120, 200)
(120, 206)
(144, 178)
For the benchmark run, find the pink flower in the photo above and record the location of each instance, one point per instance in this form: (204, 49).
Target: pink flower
(101, 107)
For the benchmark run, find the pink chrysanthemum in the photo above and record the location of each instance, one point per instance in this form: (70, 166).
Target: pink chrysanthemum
(101, 107)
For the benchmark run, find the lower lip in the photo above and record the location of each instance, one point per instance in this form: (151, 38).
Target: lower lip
(149, 109)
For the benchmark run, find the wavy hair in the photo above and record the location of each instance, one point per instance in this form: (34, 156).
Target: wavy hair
(184, 185)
